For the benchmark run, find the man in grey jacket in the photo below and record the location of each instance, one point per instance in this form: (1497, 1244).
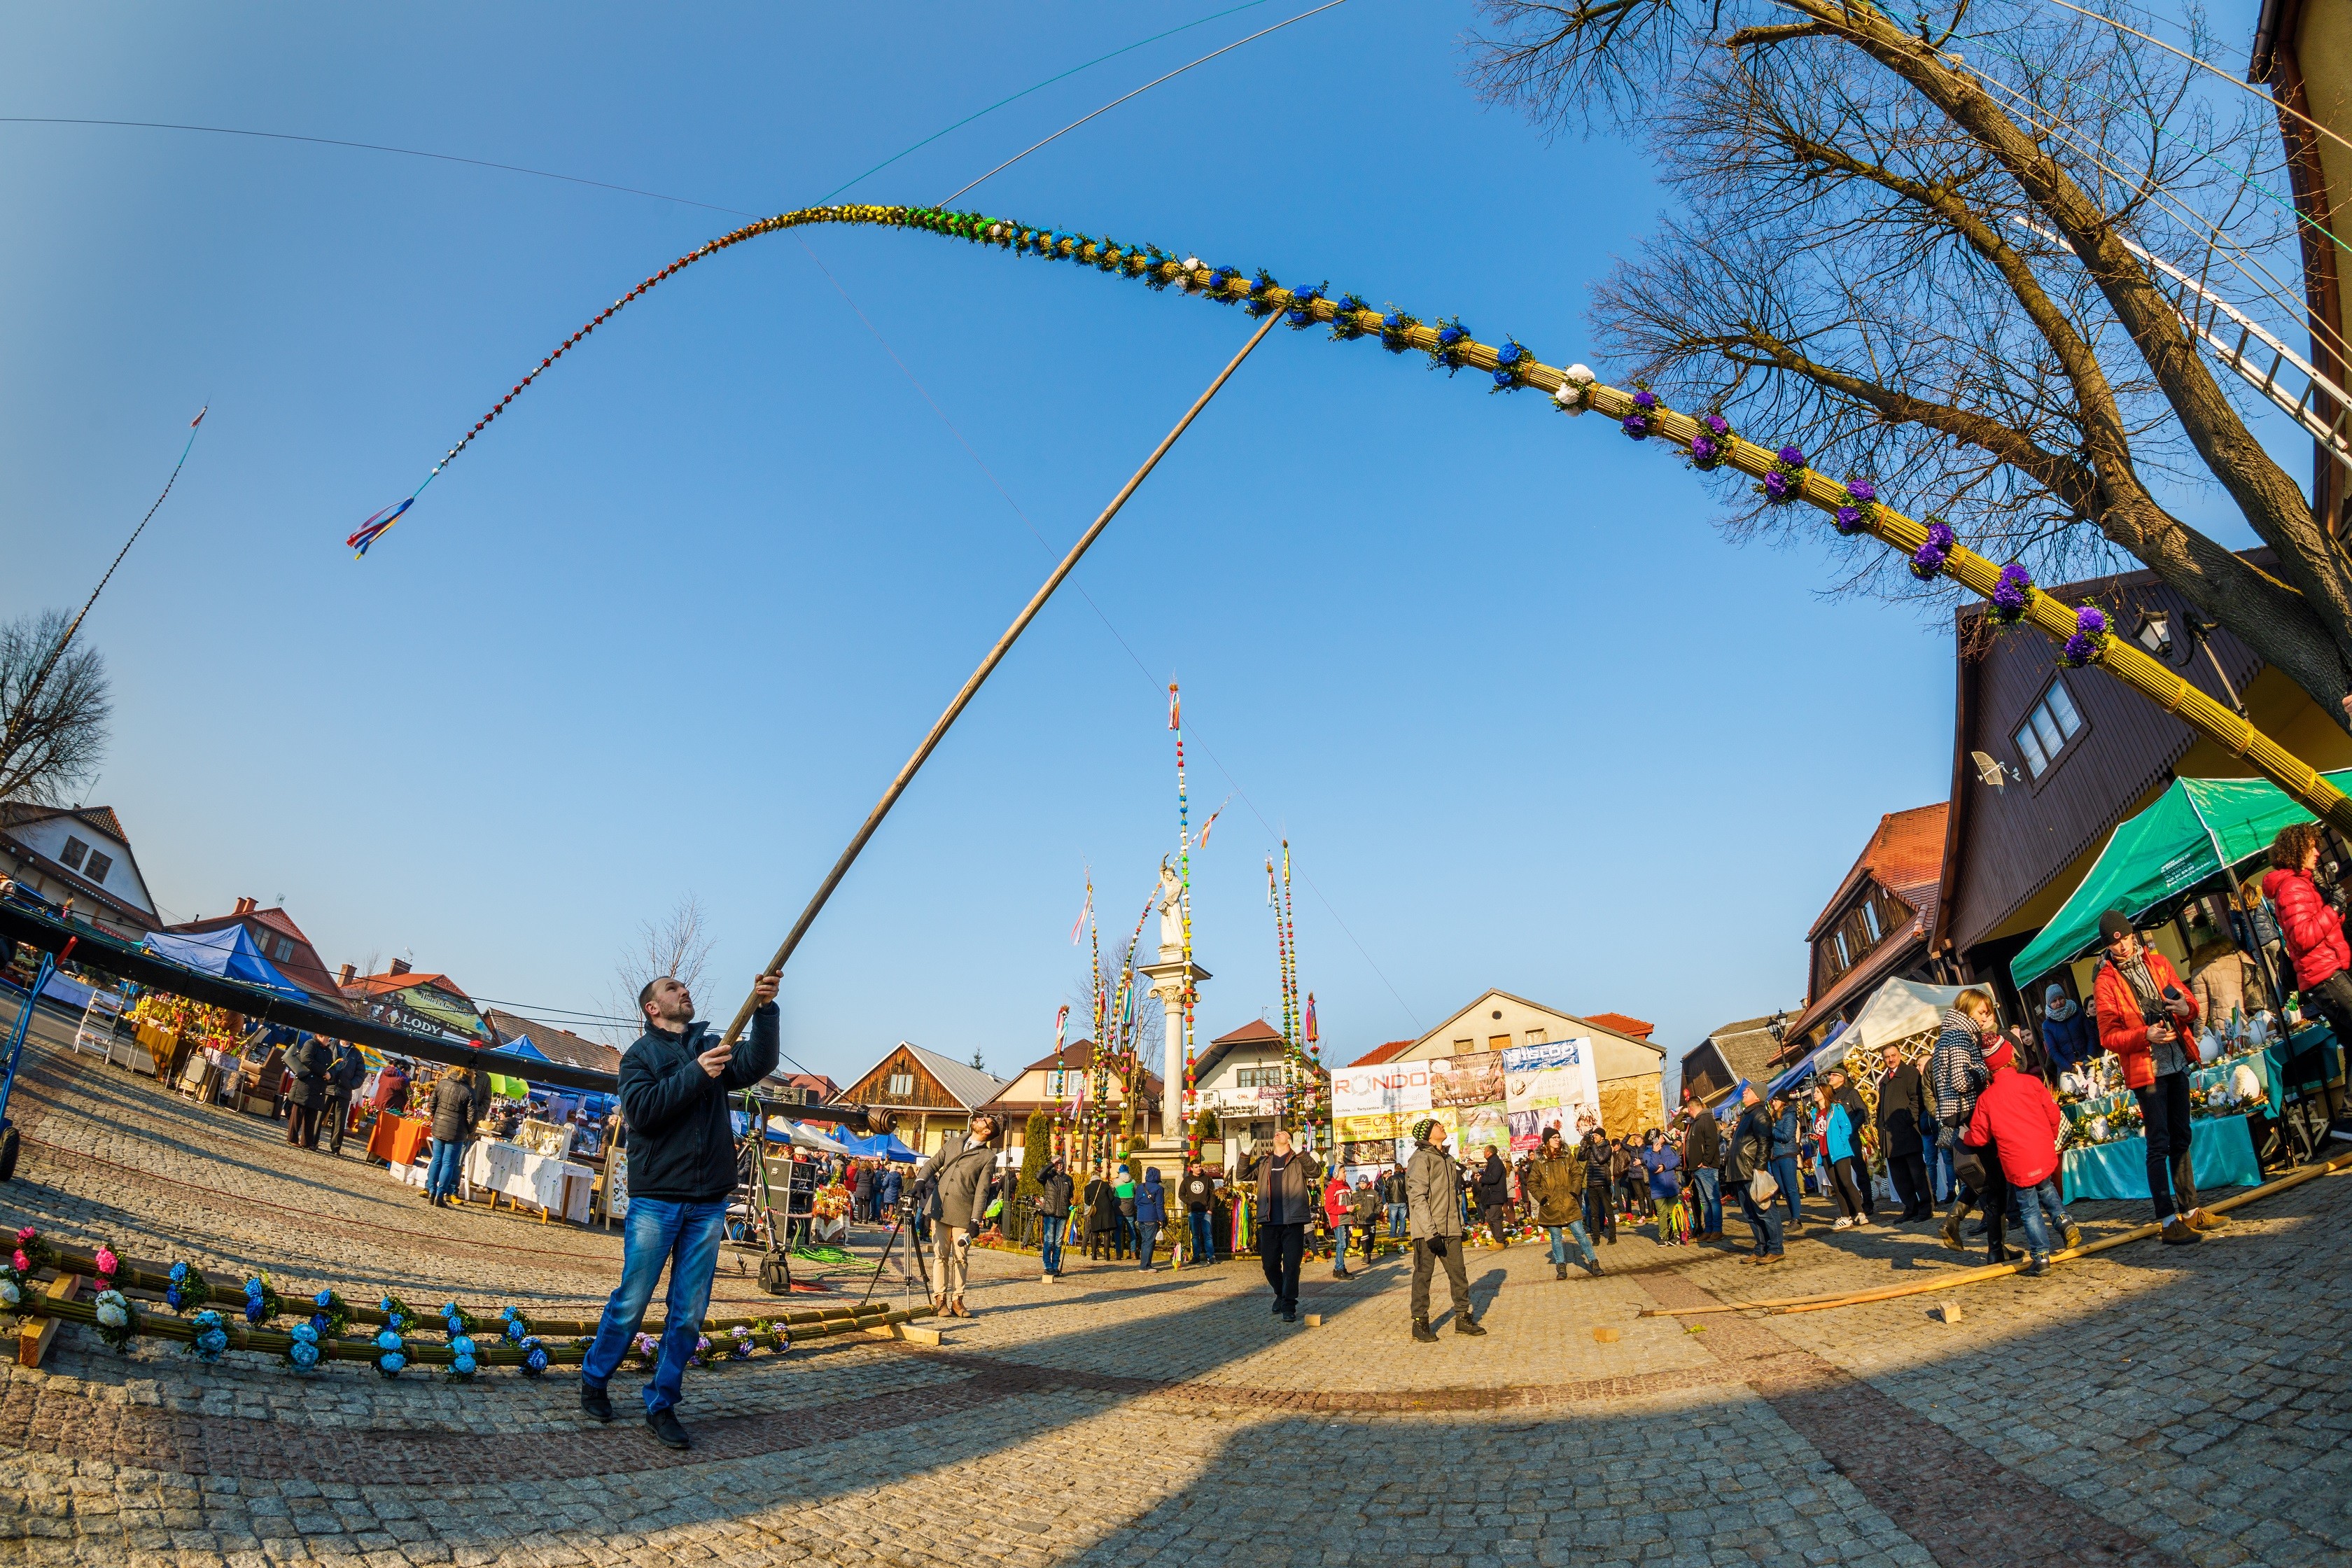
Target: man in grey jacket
(1432, 1197)
(959, 1174)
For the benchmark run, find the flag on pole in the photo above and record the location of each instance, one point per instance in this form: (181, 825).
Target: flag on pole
(1175, 710)
(1213, 820)
(1061, 1021)
(371, 531)
(199, 419)
(1080, 923)
(1311, 1035)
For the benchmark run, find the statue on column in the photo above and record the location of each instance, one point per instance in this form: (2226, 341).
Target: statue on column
(1172, 914)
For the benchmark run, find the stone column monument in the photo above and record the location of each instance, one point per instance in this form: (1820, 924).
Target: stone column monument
(1169, 978)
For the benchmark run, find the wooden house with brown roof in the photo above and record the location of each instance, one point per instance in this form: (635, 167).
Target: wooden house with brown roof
(932, 1094)
(1875, 926)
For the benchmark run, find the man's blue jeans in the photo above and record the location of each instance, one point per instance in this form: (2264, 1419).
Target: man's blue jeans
(1049, 1248)
(1340, 1234)
(1398, 1215)
(1710, 1201)
(1784, 1171)
(441, 1176)
(1764, 1219)
(685, 1238)
(1574, 1228)
(1204, 1245)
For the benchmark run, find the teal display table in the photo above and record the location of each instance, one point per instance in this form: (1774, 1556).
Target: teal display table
(2220, 1155)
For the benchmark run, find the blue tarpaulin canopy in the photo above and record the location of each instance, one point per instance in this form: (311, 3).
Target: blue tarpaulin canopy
(881, 1146)
(228, 952)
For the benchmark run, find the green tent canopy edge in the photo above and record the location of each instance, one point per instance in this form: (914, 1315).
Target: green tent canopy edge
(2186, 835)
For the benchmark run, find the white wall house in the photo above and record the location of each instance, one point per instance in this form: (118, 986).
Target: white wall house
(80, 854)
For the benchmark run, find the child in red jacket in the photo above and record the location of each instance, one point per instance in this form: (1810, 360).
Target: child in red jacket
(2016, 1114)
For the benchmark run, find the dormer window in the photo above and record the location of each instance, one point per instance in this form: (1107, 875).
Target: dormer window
(71, 855)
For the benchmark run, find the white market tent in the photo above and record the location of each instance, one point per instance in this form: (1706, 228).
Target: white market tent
(1895, 1010)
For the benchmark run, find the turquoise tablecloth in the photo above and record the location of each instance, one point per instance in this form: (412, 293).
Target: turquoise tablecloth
(2220, 1155)
(2275, 1064)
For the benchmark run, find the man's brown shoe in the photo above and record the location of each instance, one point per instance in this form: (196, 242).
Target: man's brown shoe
(2206, 1219)
(2178, 1232)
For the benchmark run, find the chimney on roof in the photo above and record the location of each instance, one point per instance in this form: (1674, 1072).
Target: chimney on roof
(346, 974)
(399, 967)
(243, 907)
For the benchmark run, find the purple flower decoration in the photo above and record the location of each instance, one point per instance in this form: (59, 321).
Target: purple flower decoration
(2080, 650)
(2088, 621)
(2090, 631)
(1863, 492)
(1636, 424)
(1929, 558)
(1776, 485)
(2011, 594)
(1716, 425)
(1645, 401)
(1705, 451)
(1848, 520)
(1941, 537)
(1793, 455)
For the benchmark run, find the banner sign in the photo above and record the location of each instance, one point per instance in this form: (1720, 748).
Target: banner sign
(1549, 1084)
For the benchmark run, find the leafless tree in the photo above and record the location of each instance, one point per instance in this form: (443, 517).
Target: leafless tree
(52, 727)
(1918, 249)
(676, 945)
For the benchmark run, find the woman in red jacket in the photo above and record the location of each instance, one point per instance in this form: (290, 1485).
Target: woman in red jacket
(2313, 930)
(2146, 1017)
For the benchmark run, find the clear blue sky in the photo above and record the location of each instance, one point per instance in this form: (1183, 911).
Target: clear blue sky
(1526, 720)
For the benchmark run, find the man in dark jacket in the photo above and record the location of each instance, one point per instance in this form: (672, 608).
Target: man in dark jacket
(344, 1071)
(1751, 1150)
(1493, 1186)
(1054, 1212)
(306, 1089)
(1288, 1183)
(674, 1083)
(1702, 1157)
(1599, 1214)
(1198, 1195)
(1902, 1101)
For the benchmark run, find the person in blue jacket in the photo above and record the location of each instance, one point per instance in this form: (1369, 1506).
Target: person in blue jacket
(2067, 1032)
(1841, 1152)
(1784, 1154)
(1150, 1215)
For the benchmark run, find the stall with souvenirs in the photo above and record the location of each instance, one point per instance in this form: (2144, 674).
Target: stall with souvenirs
(2185, 873)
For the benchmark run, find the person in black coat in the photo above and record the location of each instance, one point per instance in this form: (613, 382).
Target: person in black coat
(307, 1061)
(1902, 1102)
(345, 1069)
(1494, 1195)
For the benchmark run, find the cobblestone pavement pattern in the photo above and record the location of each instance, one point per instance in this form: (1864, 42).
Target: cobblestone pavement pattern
(2150, 1407)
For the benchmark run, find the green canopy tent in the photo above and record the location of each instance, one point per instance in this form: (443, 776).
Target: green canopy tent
(2191, 831)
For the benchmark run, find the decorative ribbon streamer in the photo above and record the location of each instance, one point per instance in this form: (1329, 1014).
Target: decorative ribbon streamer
(1573, 390)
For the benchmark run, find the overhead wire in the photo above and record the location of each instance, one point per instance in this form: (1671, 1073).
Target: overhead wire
(2272, 100)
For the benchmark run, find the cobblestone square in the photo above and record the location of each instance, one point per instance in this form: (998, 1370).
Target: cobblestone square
(2141, 1407)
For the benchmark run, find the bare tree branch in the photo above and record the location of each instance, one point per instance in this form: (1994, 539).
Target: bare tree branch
(59, 740)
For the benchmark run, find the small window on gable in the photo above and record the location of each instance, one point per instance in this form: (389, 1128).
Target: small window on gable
(900, 1086)
(73, 853)
(98, 866)
(2049, 727)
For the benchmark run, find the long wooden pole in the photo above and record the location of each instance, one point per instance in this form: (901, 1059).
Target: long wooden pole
(987, 666)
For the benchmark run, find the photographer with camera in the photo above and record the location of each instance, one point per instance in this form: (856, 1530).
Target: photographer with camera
(2144, 1018)
(1433, 1196)
(959, 1173)
(674, 1083)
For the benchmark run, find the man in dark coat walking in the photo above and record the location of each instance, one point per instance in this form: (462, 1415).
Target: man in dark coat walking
(1902, 1104)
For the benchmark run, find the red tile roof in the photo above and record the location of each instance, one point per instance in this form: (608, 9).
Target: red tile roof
(1624, 1023)
(1380, 1053)
(384, 985)
(1251, 1033)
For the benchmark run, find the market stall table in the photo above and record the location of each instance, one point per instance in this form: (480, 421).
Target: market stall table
(395, 1140)
(2220, 1155)
(550, 1185)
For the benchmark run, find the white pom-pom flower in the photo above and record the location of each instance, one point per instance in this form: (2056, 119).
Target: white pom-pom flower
(1575, 393)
